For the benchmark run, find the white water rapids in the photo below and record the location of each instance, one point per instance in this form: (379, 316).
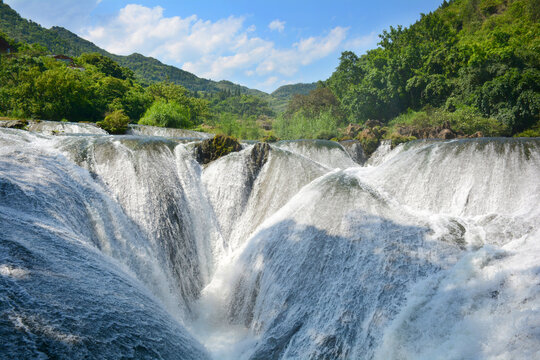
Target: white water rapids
(125, 247)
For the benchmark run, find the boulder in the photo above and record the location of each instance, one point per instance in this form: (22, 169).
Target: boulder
(212, 149)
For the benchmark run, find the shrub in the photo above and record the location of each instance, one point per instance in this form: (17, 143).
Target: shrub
(166, 114)
(115, 122)
(467, 120)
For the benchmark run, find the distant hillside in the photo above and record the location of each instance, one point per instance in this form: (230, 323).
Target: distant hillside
(283, 94)
(287, 91)
(148, 70)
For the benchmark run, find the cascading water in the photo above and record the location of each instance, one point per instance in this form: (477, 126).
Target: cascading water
(125, 246)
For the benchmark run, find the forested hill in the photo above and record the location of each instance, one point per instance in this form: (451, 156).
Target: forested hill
(147, 70)
(284, 93)
(467, 59)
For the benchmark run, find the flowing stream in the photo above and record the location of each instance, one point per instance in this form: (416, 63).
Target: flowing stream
(124, 246)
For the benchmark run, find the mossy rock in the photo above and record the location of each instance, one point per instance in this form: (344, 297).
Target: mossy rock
(14, 124)
(369, 141)
(270, 139)
(397, 139)
(212, 149)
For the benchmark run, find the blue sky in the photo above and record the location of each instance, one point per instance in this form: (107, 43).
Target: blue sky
(260, 44)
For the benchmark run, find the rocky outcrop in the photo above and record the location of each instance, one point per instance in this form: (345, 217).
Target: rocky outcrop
(259, 155)
(255, 162)
(434, 132)
(446, 134)
(212, 149)
(14, 124)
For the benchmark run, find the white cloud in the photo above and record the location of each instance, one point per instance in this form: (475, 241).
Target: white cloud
(223, 49)
(277, 25)
(288, 61)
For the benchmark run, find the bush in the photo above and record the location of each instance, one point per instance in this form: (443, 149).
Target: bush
(167, 114)
(467, 120)
(115, 122)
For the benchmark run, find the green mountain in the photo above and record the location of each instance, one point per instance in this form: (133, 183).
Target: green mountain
(282, 95)
(147, 70)
(62, 41)
(287, 91)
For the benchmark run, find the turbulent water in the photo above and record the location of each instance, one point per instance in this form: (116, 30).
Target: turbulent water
(125, 247)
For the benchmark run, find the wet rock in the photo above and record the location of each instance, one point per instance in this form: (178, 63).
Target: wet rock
(258, 157)
(259, 154)
(355, 150)
(477, 134)
(446, 134)
(212, 149)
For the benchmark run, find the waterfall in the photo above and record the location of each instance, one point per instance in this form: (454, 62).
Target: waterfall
(77, 277)
(125, 244)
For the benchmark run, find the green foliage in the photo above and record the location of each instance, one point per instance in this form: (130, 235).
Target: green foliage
(241, 105)
(301, 126)
(479, 55)
(317, 101)
(36, 85)
(532, 132)
(466, 120)
(169, 92)
(106, 65)
(242, 128)
(167, 114)
(115, 122)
